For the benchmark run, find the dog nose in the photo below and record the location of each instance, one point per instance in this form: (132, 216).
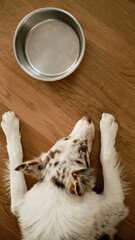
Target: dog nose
(86, 118)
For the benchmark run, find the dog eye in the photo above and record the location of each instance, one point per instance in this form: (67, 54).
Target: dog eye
(66, 138)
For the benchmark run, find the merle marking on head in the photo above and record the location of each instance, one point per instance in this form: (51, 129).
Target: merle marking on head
(67, 163)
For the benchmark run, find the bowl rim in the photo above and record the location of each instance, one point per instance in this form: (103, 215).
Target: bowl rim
(48, 78)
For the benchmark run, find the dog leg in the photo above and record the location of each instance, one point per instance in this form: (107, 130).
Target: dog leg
(113, 192)
(10, 126)
(112, 183)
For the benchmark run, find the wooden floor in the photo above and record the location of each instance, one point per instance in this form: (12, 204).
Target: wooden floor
(104, 82)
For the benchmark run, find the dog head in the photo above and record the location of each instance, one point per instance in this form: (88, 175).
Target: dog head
(67, 163)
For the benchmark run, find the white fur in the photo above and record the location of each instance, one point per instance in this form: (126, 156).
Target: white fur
(47, 212)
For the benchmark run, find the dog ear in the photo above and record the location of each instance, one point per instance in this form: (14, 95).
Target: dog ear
(80, 182)
(34, 168)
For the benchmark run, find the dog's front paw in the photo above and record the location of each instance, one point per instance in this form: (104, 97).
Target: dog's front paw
(108, 127)
(10, 123)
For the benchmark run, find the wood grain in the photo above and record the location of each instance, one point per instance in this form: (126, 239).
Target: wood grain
(104, 82)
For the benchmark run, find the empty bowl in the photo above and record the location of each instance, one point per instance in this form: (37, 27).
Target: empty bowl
(49, 44)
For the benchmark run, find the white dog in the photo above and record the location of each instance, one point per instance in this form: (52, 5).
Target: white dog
(62, 205)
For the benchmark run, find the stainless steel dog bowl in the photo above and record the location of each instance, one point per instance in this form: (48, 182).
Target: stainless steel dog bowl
(49, 44)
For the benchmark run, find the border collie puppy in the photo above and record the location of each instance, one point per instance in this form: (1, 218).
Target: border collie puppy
(63, 205)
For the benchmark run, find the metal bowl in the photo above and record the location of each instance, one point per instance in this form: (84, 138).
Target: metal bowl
(49, 44)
